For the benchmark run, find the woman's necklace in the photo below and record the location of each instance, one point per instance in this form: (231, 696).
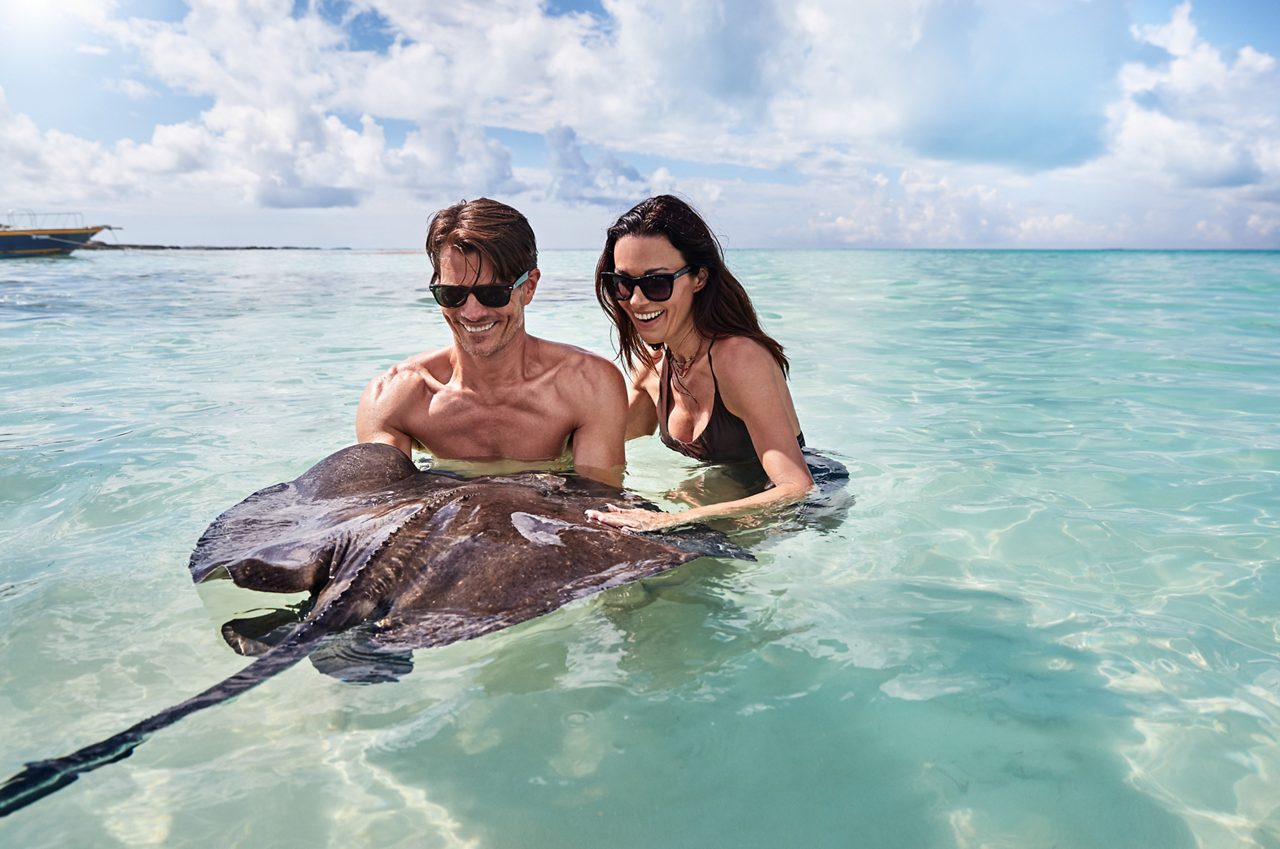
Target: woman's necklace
(682, 367)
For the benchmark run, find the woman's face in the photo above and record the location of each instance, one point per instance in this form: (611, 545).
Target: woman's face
(657, 322)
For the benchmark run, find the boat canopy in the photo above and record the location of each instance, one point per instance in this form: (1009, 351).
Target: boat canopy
(25, 219)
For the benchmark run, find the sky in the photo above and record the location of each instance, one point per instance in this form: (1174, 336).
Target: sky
(788, 123)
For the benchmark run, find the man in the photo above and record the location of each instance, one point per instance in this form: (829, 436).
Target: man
(496, 393)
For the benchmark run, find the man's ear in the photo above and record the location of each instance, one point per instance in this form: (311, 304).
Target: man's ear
(528, 287)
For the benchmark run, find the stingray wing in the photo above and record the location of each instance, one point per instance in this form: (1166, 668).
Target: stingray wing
(284, 538)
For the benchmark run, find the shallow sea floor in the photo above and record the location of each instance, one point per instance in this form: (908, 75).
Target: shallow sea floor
(1046, 615)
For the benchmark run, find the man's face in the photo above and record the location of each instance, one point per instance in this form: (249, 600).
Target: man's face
(479, 330)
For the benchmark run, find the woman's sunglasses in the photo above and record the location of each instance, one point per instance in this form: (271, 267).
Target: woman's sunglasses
(656, 287)
(492, 295)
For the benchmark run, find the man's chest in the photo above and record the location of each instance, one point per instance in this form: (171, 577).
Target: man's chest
(516, 428)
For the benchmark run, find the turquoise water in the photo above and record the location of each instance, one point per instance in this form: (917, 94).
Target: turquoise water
(1050, 618)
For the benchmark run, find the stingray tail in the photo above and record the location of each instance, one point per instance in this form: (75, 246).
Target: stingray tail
(40, 778)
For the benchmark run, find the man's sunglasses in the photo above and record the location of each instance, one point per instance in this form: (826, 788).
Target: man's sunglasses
(656, 287)
(492, 295)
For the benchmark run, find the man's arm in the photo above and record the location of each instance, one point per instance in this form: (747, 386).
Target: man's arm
(378, 416)
(600, 396)
(642, 412)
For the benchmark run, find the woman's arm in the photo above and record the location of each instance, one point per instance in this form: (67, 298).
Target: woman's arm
(753, 388)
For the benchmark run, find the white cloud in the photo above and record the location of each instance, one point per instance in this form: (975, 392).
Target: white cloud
(173, 150)
(930, 122)
(274, 134)
(454, 160)
(1178, 36)
(605, 180)
(1062, 229)
(1250, 61)
(1197, 120)
(133, 89)
(1263, 226)
(919, 207)
(1212, 231)
(33, 158)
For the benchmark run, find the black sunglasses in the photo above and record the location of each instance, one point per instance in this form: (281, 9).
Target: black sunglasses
(492, 295)
(656, 287)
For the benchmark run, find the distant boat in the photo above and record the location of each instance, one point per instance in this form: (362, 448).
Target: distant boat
(44, 233)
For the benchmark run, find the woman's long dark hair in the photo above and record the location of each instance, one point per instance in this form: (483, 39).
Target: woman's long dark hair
(720, 308)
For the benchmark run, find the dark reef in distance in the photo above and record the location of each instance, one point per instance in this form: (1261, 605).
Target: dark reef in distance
(106, 246)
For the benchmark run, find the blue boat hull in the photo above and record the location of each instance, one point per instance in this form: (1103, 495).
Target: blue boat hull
(44, 242)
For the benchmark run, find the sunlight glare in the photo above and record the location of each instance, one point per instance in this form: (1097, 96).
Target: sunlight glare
(41, 19)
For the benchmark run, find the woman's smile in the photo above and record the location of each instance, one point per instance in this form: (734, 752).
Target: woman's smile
(645, 317)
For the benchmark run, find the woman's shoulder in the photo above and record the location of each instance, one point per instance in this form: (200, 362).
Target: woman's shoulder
(751, 382)
(741, 354)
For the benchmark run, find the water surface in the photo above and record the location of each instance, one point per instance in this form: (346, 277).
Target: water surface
(1050, 618)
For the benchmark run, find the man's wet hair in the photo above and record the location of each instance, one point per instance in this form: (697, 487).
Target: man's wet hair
(483, 228)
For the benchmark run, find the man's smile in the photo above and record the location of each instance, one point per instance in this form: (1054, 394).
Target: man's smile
(477, 328)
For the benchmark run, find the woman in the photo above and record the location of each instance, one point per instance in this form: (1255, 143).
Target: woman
(703, 372)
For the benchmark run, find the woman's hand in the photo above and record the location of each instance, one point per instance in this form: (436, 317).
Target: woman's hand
(635, 520)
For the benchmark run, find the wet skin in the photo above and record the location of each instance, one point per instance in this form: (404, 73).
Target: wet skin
(498, 393)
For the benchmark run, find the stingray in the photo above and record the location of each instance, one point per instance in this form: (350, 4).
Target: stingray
(394, 559)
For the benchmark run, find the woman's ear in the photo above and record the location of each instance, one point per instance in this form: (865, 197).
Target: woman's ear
(700, 280)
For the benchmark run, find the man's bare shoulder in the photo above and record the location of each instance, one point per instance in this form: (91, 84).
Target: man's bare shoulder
(575, 364)
(420, 374)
